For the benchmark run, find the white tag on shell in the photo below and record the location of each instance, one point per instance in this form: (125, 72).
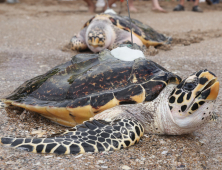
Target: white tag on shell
(110, 11)
(126, 54)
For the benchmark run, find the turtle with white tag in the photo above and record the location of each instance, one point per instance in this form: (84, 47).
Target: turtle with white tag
(111, 103)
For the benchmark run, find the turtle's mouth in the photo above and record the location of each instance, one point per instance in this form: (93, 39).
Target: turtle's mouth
(210, 84)
(97, 40)
(96, 43)
(208, 92)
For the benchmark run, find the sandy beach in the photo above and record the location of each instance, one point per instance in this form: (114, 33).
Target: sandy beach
(33, 39)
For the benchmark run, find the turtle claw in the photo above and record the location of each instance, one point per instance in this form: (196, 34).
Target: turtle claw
(2, 105)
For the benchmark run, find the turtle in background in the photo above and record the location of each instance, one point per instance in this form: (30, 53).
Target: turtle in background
(147, 99)
(105, 30)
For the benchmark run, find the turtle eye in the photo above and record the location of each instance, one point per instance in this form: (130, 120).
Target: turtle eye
(189, 86)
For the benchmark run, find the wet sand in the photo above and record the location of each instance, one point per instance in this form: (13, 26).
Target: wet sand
(33, 40)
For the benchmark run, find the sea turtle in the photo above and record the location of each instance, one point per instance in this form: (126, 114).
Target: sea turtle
(106, 29)
(88, 84)
(147, 99)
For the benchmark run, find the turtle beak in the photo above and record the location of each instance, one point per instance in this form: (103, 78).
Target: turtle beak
(96, 38)
(208, 87)
(94, 42)
(210, 91)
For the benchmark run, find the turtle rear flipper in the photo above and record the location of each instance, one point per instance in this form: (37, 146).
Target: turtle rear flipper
(91, 136)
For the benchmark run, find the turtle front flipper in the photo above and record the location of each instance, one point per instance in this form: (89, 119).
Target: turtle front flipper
(78, 43)
(91, 136)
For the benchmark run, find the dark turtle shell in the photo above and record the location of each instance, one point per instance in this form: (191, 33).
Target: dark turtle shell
(145, 33)
(88, 84)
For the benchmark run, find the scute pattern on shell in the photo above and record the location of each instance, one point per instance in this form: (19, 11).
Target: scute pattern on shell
(88, 84)
(91, 136)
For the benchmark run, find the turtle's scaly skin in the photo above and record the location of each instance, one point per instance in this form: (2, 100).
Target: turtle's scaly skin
(88, 84)
(2, 105)
(92, 136)
(106, 29)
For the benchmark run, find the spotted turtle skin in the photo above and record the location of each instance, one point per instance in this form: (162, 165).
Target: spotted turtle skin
(91, 136)
(88, 84)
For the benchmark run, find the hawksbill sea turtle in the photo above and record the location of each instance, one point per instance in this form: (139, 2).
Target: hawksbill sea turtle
(84, 91)
(105, 30)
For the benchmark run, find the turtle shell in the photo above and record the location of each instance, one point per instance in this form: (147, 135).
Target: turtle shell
(88, 84)
(145, 33)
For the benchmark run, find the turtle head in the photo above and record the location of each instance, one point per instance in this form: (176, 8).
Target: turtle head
(99, 36)
(191, 102)
(96, 37)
